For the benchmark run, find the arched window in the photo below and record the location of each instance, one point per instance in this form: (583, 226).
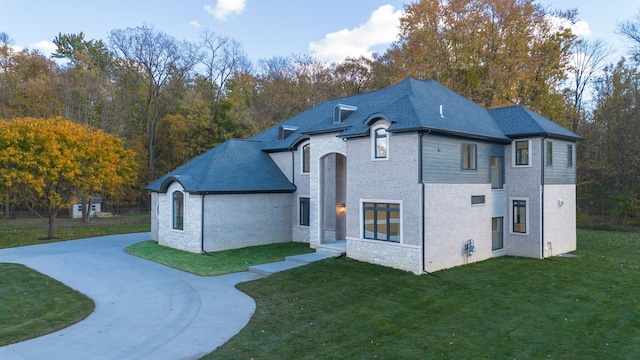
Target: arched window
(306, 158)
(178, 210)
(381, 143)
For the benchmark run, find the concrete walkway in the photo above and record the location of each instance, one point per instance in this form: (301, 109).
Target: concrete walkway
(143, 310)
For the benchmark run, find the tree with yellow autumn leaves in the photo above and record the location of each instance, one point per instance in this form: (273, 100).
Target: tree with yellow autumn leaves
(48, 162)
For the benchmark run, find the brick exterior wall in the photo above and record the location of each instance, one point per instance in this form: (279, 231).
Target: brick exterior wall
(189, 238)
(394, 180)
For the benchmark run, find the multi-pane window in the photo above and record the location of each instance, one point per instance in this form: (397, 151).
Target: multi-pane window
(522, 153)
(469, 161)
(519, 216)
(178, 210)
(305, 210)
(381, 143)
(569, 155)
(497, 173)
(549, 153)
(381, 221)
(306, 158)
(497, 233)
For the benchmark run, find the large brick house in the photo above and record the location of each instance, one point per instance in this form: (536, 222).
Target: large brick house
(413, 176)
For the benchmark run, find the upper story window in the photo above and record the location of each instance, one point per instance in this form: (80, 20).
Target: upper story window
(497, 172)
(178, 210)
(306, 158)
(549, 153)
(521, 153)
(469, 156)
(569, 155)
(380, 143)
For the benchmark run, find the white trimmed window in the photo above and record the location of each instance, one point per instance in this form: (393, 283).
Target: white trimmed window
(521, 153)
(381, 221)
(519, 216)
(380, 142)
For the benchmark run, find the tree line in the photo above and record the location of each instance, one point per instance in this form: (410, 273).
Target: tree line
(170, 100)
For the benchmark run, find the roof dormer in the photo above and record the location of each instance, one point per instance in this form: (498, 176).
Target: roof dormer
(285, 130)
(341, 112)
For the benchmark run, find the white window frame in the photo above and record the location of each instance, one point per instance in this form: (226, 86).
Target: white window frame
(382, 201)
(385, 126)
(514, 150)
(512, 215)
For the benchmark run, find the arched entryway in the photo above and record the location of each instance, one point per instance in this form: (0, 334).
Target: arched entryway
(333, 196)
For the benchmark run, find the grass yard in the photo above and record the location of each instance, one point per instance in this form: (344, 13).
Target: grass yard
(220, 262)
(33, 304)
(30, 231)
(504, 308)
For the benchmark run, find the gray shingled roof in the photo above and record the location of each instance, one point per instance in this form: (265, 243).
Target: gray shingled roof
(518, 121)
(235, 166)
(243, 166)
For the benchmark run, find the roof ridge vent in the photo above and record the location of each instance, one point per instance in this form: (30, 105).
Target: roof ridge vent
(342, 111)
(285, 130)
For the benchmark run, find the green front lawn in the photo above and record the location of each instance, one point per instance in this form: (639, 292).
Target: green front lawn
(33, 304)
(219, 262)
(31, 231)
(504, 308)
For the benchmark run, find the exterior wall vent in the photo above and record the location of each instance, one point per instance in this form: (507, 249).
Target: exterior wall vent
(284, 131)
(341, 112)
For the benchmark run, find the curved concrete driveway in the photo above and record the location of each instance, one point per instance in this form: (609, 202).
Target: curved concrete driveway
(143, 310)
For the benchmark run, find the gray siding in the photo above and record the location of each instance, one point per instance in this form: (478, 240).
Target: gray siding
(442, 160)
(559, 172)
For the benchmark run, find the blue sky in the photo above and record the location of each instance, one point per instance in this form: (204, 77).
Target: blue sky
(266, 28)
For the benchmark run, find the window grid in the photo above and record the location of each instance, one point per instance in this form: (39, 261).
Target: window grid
(381, 221)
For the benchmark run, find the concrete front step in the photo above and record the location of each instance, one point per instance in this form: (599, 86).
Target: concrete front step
(290, 262)
(331, 251)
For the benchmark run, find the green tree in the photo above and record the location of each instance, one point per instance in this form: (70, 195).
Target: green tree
(609, 163)
(48, 162)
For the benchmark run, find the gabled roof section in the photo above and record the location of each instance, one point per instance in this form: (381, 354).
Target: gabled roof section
(410, 105)
(518, 122)
(233, 167)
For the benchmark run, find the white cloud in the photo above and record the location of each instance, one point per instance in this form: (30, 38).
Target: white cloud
(579, 28)
(45, 47)
(225, 8)
(380, 29)
(195, 24)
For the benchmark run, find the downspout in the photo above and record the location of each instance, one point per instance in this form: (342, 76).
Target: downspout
(202, 225)
(543, 165)
(422, 201)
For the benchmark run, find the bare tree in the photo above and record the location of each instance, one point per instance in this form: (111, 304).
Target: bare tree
(223, 58)
(156, 66)
(588, 58)
(631, 29)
